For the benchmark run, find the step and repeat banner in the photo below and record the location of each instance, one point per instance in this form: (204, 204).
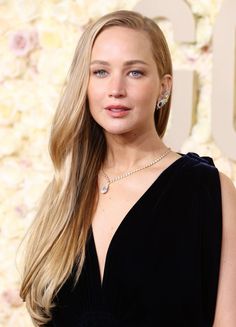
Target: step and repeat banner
(37, 41)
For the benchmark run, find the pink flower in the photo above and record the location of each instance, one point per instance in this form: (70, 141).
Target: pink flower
(22, 42)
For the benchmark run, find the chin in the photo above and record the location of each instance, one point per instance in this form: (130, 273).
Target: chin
(116, 131)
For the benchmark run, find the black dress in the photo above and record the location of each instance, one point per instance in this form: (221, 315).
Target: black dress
(162, 265)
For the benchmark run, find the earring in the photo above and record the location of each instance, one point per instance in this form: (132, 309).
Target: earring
(163, 100)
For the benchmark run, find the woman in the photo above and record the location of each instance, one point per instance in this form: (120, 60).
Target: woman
(129, 232)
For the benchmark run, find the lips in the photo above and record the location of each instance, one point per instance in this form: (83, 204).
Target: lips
(117, 108)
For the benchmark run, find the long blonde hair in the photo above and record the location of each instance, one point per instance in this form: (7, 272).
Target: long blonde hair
(56, 240)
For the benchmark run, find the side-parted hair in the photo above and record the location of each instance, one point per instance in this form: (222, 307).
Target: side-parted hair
(57, 237)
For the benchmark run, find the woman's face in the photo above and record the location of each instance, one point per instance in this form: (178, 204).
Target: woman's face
(124, 84)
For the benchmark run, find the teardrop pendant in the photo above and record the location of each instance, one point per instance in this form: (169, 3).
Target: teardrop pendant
(105, 189)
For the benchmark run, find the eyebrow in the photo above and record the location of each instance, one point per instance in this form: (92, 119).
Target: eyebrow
(127, 63)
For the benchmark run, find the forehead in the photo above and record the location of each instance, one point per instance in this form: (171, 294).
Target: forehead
(117, 40)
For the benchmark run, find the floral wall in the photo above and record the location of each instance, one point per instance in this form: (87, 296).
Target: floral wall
(37, 41)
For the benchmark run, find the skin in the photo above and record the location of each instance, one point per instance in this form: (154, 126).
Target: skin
(132, 142)
(225, 314)
(117, 78)
(114, 79)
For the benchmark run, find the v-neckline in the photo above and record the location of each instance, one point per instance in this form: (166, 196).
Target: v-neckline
(124, 220)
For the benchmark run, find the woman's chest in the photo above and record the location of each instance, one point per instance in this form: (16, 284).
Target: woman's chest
(112, 209)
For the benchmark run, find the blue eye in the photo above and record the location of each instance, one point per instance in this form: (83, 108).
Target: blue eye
(136, 73)
(100, 73)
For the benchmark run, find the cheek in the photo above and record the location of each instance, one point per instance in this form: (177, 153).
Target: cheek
(95, 93)
(147, 92)
(146, 98)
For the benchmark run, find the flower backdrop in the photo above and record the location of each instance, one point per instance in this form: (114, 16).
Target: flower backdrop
(37, 41)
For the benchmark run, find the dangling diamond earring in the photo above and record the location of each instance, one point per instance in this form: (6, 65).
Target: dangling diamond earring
(163, 100)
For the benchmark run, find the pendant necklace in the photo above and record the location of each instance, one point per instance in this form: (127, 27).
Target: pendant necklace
(105, 188)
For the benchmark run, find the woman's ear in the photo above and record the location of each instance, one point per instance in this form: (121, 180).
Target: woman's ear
(166, 84)
(164, 91)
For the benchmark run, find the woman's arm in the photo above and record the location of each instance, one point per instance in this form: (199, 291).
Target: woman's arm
(225, 315)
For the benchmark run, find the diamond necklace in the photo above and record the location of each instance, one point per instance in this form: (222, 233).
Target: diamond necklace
(105, 188)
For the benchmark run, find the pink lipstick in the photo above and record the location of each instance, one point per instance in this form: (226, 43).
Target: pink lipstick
(117, 110)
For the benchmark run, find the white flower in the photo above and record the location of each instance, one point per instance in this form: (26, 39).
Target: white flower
(26, 10)
(212, 150)
(204, 31)
(61, 10)
(11, 174)
(8, 114)
(205, 8)
(12, 141)
(201, 132)
(100, 7)
(201, 7)
(203, 149)
(12, 67)
(54, 35)
(11, 296)
(19, 317)
(78, 14)
(53, 65)
(23, 94)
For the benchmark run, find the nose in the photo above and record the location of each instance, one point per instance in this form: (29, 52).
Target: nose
(117, 87)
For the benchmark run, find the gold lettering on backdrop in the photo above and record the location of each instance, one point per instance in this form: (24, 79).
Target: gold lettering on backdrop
(184, 91)
(224, 84)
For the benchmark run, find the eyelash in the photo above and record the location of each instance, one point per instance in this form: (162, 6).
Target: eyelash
(137, 72)
(99, 71)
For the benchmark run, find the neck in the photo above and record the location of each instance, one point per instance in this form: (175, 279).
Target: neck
(127, 152)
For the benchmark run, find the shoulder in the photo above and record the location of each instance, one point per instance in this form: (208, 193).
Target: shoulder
(201, 170)
(228, 188)
(228, 195)
(196, 163)
(226, 299)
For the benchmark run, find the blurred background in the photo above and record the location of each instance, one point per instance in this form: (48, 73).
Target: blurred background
(37, 41)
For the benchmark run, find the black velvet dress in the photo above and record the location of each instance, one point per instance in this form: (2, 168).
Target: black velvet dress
(162, 265)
